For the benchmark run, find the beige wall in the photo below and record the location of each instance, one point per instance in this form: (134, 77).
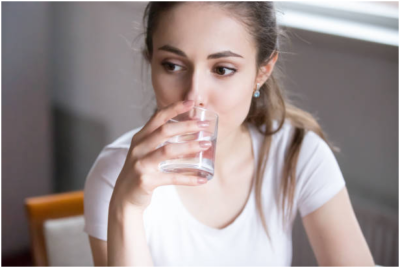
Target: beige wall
(352, 87)
(97, 91)
(26, 140)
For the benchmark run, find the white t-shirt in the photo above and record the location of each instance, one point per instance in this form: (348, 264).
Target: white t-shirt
(176, 238)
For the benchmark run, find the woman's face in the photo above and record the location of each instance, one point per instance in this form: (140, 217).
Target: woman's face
(213, 63)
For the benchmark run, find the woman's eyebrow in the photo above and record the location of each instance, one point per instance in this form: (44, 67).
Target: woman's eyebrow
(217, 55)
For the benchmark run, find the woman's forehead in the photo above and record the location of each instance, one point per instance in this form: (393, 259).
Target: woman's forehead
(198, 29)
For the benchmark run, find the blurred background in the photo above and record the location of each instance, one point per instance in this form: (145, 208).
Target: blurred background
(72, 82)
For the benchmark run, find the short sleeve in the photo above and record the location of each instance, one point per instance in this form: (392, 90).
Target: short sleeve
(98, 190)
(319, 177)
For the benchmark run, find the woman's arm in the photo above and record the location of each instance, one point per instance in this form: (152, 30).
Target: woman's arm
(99, 251)
(335, 235)
(126, 238)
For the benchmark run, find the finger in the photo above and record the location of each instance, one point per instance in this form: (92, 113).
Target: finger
(162, 116)
(167, 131)
(180, 179)
(173, 150)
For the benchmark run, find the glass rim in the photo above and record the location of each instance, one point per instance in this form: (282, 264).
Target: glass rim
(215, 115)
(208, 111)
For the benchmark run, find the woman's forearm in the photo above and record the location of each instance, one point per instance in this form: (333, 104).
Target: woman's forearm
(126, 238)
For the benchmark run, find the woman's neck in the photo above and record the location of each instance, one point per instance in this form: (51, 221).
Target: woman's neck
(231, 150)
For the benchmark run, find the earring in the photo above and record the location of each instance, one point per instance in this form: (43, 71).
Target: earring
(257, 93)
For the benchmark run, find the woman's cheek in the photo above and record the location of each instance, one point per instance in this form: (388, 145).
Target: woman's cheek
(232, 109)
(228, 97)
(167, 90)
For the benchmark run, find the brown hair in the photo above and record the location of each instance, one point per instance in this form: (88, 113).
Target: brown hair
(259, 18)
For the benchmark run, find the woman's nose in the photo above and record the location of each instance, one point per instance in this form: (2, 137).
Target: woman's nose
(197, 89)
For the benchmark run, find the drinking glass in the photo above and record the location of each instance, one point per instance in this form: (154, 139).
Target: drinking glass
(199, 164)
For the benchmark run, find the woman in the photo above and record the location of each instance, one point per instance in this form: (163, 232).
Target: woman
(271, 160)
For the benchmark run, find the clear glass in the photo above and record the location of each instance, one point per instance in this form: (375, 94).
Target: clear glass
(199, 164)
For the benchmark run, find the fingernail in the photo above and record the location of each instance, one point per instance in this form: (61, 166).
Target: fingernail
(188, 103)
(203, 123)
(201, 180)
(205, 144)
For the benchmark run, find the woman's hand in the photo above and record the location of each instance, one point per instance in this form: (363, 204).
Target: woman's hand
(140, 175)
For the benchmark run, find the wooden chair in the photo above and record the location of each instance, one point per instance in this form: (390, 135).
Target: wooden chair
(44, 208)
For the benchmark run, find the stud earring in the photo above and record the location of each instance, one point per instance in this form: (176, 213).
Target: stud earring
(257, 93)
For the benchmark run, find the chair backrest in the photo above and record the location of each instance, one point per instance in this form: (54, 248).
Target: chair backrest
(67, 244)
(56, 226)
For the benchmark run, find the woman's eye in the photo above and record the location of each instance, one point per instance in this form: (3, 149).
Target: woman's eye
(170, 66)
(220, 70)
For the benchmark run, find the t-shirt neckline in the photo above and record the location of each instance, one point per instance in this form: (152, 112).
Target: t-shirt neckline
(240, 218)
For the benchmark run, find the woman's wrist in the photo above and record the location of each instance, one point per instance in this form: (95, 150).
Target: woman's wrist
(120, 209)
(126, 234)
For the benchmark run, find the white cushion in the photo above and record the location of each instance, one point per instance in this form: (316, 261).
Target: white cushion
(66, 243)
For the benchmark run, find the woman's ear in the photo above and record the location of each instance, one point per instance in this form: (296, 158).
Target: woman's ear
(266, 70)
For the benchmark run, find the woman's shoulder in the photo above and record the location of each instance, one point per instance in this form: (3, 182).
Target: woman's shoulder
(281, 135)
(313, 148)
(310, 142)
(111, 159)
(282, 138)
